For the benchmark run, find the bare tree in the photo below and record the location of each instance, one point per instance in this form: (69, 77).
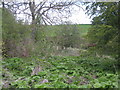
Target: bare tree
(40, 11)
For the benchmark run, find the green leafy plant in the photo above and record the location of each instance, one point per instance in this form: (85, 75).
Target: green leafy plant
(86, 72)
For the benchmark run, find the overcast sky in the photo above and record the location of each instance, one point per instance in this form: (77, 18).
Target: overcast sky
(78, 16)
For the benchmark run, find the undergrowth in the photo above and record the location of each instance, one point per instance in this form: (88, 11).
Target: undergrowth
(61, 72)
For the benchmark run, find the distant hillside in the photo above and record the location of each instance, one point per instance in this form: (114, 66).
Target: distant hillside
(50, 30)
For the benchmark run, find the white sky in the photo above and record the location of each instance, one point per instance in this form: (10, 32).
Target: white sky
(78, 15)
(80, 18)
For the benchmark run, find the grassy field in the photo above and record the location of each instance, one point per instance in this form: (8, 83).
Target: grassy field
(83, 28)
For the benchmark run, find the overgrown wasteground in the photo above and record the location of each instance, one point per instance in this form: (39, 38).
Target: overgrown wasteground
(61, 72)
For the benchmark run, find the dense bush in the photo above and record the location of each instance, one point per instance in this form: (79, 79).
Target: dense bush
(17, 37)
(105, 26)
(68, 36)
(105, 37)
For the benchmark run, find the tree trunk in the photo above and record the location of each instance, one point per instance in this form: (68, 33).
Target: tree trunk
(3, 5)
(32, 9)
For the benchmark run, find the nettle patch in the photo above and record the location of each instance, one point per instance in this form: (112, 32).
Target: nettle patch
(63, 72)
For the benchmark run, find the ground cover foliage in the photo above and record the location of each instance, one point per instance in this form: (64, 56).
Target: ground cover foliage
(60, 72)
